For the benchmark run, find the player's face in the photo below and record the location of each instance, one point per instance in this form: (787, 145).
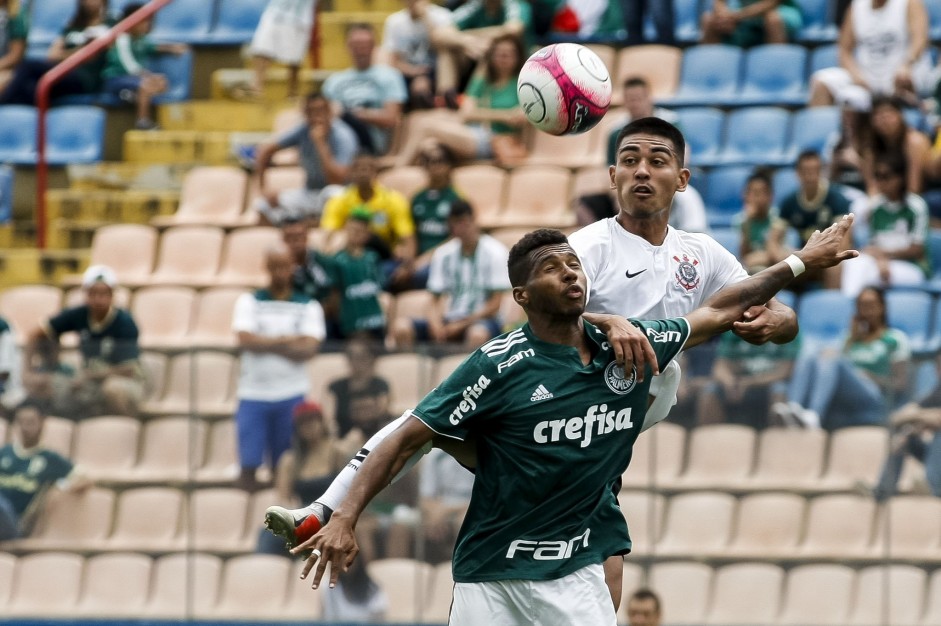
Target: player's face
(556, 284)
(647, 174)
(643, 613)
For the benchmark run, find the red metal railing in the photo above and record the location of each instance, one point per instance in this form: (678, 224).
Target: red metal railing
(42, 102)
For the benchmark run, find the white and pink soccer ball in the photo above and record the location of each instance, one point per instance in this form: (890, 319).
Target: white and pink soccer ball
(564, 89)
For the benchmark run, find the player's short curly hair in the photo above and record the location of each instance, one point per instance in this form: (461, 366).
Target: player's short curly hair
(659, 128)
(519, 263)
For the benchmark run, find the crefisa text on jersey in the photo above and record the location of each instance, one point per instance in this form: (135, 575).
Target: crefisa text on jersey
(471, 393)
(597, 419)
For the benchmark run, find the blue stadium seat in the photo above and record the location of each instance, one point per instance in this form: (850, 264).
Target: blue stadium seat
(813, 128)
(934, 251)
(723, 194)
(729, 238)
(184, 21)
(6, 194)
(757, 136)
(17, 134)
(702, 128)
(822, 57)
(709, 76)
(934, 19)
(178, 68)
(47, 18)
(910, 311)
(774, 74)
(785, 183)
(824, 316)
(818, 21)
(75, 134)
(686, 20)
(236, 21)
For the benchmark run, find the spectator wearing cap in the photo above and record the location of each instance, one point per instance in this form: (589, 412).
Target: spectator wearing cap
(110, 380)
(278, 330)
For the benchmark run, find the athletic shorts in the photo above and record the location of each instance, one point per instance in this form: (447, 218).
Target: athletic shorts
(751, 32)
(579, 599)
(285, 43)
(264, 429)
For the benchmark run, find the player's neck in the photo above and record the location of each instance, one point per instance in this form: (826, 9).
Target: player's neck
(562, 330)
(652, 228)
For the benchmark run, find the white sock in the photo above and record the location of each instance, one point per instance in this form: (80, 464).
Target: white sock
(340, 486)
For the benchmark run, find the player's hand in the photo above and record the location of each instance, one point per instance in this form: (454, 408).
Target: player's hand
(825, 248)
(630, 345)
(759, 325)
(334, 544)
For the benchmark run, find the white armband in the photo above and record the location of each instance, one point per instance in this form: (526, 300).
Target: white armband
(663, 388)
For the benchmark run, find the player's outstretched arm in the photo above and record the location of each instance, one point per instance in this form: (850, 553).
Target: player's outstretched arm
(824, 249)
(336, 543)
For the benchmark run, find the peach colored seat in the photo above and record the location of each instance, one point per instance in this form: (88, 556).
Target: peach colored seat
(932, 614)
(406, 179)
(128, 249)
(75, 296)
(106, 447)
(258, 502)
(28, 306)
(777, 467)
(413, 304)
(913, 532)
(632, 579)
(323, 369)
(163, 315)
(185, 585)
(571, 151)
(170, 450)
(855, 454)
(116, 585)
(768, 526)
(644, 514)
(817, 594)
(212, 374)
(7, 567)
(720, 456)
(211, 195)
(406, 583)
(243, 259)
(72, 521)
(57, 434)
(685, 589)
(221, 465)
(660, 65)
(254, 586)
(303, 603)
(277, 179)
(838, 527)
(437, 604)
(509, 236)
(511, 314)
(46, 585)
(484, 186)
(894, 591)
(657, 457)
(446, 365)
(188, 255)
(212, 325)
(537, 196)
(746, 593)
(147, 519)
(697, 523)
(593, 179)
(409, 377)
(217, 519)
(154, 365)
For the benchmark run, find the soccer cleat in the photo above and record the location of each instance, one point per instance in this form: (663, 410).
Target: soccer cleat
(296, 526)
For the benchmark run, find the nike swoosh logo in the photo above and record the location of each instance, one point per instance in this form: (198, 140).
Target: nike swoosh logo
(629, 275)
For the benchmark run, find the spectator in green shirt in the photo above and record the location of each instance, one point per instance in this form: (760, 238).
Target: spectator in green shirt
(126, 75)
(752, 22)
(762, 230)
(356, 276)
(13, 30)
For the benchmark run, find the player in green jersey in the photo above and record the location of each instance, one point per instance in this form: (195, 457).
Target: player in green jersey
(553, 417)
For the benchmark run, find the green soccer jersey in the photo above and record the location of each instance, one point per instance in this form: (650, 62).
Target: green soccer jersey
(552, 436)
(899, 225)
(878, 356)
(357, 278)
(25, 474)
(430, 209)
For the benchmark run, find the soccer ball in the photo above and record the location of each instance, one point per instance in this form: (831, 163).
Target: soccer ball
(564, 89)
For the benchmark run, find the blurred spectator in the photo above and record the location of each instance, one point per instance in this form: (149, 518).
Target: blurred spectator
(11, 391)
(327, 148)
(310, 266)
(356, 598)
(882, 49)
(389, 216)
(845, 151)
(357, 282)
(897, 252)
(751, 22)
(469, 272)
(444, 489)
(409, 36)
(278, 329)
(643, 608)
(89, 22)
(747, 380)
(13, 31)
(110, 380)
(370, 95)
(283, 36)
(762, 230)
(661, 14)
(490, 124)
(890, 134)
(854, 387)
(597, 20)
(28, 471)
(638, 103)
(361, 399)
(306, 469)
(125, 73)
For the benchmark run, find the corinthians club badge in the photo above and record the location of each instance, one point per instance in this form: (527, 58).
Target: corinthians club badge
(686, 274)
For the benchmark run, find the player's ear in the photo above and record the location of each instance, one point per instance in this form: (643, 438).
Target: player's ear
(611, 169)
(683, 180)
(520, 296)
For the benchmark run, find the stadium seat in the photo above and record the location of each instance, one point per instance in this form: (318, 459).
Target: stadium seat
(17, 134)
(907, 529)
(686, 21)
(685, 589)
(163, 316)
(254, 586)
(46, 585)
(184, 21)
(405, 582)
(235, 22)
(185, 585)
(6, 193)
(258, 503)
(303, 603)
(823, 57)
(571, 151)
(722, 194)
(784, 181)
(178, 68)
(632, 579)
(777, 467)
(413, 304)
(484, 187)
(657, 457)
(537, 196)
(47, 18)
(147, 519)
(154, 365)
(774, 75)
(243, 258)
(277, 179)
(170, 450)
(703, 129)
(409, 377)
(406, 179)
(115, 586)
(729, 238)
(720, 456)
(756, 136)
(445, 365)
(768, 526)
(934, 19)
(813, 128)
(643, 511)
(72, 521)
(216, 520)
(893, 591)
(128, 249)
(911, 312)
(75, 134)
(819, 23)
(189, 255)
(658, 65)
(855, 454)
(697, 524)
(745, 593)
(824, 316)
(932, 614)
(209, 373)
(56, 435)
(817, 594)
(437, 606)
(838, 527)
(221, 464)
(591, 180)
(7, 567)
(27, 306)
(210, 196)
(106, 447)
(212, 324)
(709, 76)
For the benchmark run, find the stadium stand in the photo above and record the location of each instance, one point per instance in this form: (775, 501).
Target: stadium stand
(767, 526)
(774, 75)
(804, 604)
(17, 134)
(106, 446)
(709, 76)
(745, 593)
(163, 315)
(685, 588)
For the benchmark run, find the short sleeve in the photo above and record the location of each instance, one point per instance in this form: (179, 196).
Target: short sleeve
(498, 278)
(312, 324)
(455, 406)
(345, 145)
(666, 337)
(66, 320)
(436, 281)
(333, 218)
(18, 29)
(393, 85)
(57, 466)
(402, 223)
(465, 14)
(126, 335)
(8, 355)
(292, 138)
(476, 87)
(901, 347)
(727, 270)
(243, 315)
(330, 89)
(920, 223)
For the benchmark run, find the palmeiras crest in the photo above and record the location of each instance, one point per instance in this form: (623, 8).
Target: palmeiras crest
(686, 273)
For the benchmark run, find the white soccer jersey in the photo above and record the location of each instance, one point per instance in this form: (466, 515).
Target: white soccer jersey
(629, 276)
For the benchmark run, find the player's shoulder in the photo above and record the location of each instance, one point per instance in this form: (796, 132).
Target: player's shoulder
(500, 353)
(700, 244)
(593, 237)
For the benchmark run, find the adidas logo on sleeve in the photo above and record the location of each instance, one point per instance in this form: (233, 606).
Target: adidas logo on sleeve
(540, 393)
